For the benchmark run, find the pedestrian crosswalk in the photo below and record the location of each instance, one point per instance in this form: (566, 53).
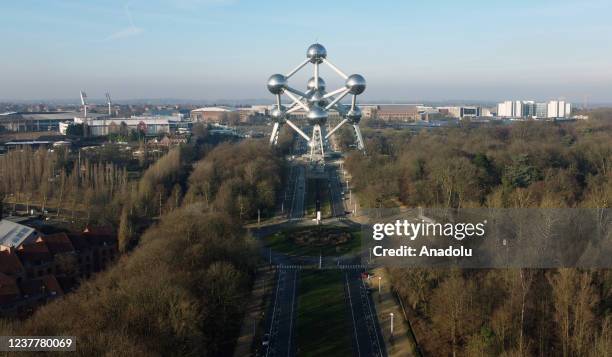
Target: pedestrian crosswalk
(324, 267)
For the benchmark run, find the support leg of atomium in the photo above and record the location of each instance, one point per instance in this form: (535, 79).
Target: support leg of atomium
(317, 153)
(274, 136)
(360, 144)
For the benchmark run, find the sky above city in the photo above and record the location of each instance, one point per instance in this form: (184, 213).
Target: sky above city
(226, 49)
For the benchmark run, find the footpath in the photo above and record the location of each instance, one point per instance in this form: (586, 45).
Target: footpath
(402, 343)
(253, 323)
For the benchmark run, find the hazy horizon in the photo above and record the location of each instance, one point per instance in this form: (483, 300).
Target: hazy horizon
(212, 50)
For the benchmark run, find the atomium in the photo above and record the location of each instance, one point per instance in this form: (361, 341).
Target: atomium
(316, 102)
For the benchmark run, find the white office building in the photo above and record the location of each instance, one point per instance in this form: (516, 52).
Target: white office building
(558, 109)
(510, 109)
(530, 109)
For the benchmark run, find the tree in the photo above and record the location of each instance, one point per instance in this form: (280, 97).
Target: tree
(451, 309)
(123, 130)
(126, 230)
(574, 299)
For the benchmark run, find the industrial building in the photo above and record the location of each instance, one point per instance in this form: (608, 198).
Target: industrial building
(217, 115)
(398, 112)
(149, 125)
(38, 121)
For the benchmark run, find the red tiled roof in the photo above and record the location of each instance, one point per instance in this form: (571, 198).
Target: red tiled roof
(10, 263)
(102, 231)
(33, 252)
(79, 242)
(58, 243)
(99, 236)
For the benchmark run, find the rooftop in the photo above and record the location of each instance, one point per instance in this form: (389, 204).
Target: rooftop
(214, 109)
(58, 243)
(12, 234)
(35, 253)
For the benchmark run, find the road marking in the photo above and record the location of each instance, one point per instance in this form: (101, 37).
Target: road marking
(371, 314)
(273, 313)
(348, 291)
(291, 315)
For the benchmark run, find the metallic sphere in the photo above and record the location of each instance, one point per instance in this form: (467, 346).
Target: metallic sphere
(277, 83)
(316, 53)
(356, 84)
(278, 115)
(316, 97)
(354, 115)
(316, 115)
(311, 83)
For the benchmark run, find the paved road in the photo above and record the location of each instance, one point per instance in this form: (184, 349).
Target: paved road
(281, 320)
(298, 192)
(335, 191)
(281, 317)
(366, 334)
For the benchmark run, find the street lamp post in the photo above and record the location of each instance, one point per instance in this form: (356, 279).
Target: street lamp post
(391, 314)
(379, 282)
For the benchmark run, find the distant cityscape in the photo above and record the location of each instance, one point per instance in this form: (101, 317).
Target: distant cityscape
(159, 119)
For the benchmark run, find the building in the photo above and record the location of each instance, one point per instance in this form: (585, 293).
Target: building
(170, 141)
(368, 111)
(470, 112)
(36, 259)
(217, 115)
(9, 290)
(34, 271)
(541, 110)
(505, 109)
(249, 114)
(530, 109)
(398, 112)
(10, 265)
(13, 235)
(38, 121)
(149, 125)
(461, 111)
(558, 109)
(511, 109)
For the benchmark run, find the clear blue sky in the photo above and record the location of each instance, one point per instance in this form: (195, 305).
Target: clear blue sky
(212, 49)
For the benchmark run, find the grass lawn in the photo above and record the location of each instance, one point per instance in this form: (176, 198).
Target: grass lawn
(322, 325)
(282, 242)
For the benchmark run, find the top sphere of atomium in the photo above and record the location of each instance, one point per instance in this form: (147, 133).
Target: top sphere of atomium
(355, 83)
(316, 53)
(316, 115)
(311, 84)
(277, 83)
